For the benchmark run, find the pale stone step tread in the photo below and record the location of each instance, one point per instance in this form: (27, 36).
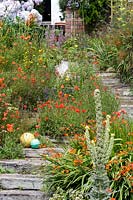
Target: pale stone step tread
(23, 165)
(22, 195)
(107, 75)
(120, 90)
(38, 153)
(20, 181)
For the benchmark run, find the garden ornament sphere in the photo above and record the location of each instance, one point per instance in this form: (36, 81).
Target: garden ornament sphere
(26, 139)
(35, 144)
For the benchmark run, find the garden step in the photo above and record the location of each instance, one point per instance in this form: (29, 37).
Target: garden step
(128, 100)
(105, 75)
(22, 195)
(128, 108)
(29, 165)
(38, 153)
(20, 181)
(110, 81)
(122, 91)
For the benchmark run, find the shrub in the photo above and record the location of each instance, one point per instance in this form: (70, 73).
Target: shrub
(91, 11)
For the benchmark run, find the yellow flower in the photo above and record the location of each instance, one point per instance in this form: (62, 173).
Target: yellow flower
(119, 18)
(121, 9)
(67, 78)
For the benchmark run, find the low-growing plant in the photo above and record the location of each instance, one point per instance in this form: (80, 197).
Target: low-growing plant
(105, 55)
(11, 149)
(120, 168)
(4, 170)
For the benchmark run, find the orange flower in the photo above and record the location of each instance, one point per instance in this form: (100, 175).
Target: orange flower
(77, 162)
(77, 110)
(9, 127)
(33, 80)
(130, 134)
(56, 167)
(14, 78)
(60, 93)
(65, 134)
(37, 126)
(60, 105)
(62, 86)
(2, 85)
(76, 88)
(129, 143)
(56, 155)
(36, 134)
(72, 151)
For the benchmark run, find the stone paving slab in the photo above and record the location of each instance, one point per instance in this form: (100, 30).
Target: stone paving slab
(20, 181)
(129, 109)
(121, 90)
(22, 195)
(110, 81)
(106, 75)
(23, 165)
(126, 100)
(38, 153)
(124, 91)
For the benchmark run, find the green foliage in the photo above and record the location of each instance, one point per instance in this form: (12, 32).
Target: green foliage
(11, 149)
(113, 48)
(5, 171)
(71, 169)
(114, 51)
(11, 31)
(91, 11)
(106, 55)
(63, 106)
(63, 4)
(120, 169)
(89, 171)
(64, 113)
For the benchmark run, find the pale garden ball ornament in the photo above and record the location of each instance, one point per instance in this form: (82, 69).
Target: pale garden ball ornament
(26, 139)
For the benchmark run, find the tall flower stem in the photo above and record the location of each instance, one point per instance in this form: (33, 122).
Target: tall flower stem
(100, 153)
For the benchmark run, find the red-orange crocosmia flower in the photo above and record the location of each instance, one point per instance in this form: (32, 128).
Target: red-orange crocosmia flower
(76, 88)
(77, 162)
(77, 110)
(10, 127)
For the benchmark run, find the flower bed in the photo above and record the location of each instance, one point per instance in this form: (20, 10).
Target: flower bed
(34, 98)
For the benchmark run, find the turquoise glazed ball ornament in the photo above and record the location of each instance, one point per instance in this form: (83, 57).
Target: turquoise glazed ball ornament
(35, 144)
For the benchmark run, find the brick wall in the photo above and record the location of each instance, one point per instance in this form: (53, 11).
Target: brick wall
(74, 24)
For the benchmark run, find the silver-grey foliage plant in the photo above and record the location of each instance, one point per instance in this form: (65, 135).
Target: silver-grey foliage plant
(100, 152)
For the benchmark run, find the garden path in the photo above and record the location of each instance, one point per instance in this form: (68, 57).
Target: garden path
(121, 91)
(24, 181)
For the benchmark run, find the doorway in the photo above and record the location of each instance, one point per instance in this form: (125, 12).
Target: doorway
(45, 10)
